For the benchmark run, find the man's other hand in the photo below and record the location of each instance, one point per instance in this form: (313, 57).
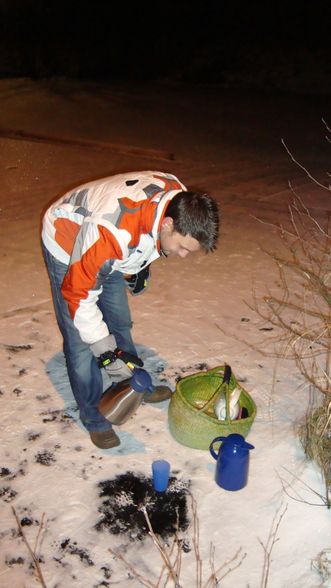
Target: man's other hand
(117, 362)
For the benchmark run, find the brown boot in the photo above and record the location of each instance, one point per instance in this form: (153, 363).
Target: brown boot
(105, 439)
(159, 394)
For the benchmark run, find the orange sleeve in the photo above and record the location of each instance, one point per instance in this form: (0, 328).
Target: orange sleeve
(83, 275)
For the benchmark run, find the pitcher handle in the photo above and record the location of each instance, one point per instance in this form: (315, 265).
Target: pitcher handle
(211, 448)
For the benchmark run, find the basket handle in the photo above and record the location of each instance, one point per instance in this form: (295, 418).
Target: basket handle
(222, 388)
(220, 370)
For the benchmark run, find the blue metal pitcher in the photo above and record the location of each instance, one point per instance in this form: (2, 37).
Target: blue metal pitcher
(232, 461)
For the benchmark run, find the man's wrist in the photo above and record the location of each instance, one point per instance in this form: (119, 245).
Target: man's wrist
(103, 345)
(107, 358)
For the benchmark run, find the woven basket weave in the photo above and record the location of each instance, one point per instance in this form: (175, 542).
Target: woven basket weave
(194, 428)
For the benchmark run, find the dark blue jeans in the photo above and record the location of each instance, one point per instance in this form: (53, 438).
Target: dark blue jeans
(84, 374)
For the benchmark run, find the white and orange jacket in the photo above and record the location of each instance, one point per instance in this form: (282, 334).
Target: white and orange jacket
(102, 226)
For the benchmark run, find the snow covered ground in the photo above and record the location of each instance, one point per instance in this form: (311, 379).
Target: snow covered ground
(194, 313)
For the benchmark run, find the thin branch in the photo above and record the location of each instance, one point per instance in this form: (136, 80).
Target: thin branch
(160, 548)
(299, 498)
(274, 226)
(304, 484)
(32, 554)
(41, 526)
(213, 576)
(326, 125)
(231, 569)
(196, 540)
(309, 275)
(304, 169)
(141, 579)
(292, 306)
(279, 322)
(268, 547)
(306, 211)
(164, 567)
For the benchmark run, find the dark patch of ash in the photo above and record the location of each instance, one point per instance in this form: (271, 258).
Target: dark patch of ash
(185, 545)
(26, 522)
(56, 416)
(17, 391)
(106, 572)
(32, 436)
(71, 547)
(45, 458)
(12, 561)
(191, 369)
(202, 366)
(7, 493)
(15, 533)
(27, 518)
(42, 397)
(123, 497)
(15, 348)
(4, 472)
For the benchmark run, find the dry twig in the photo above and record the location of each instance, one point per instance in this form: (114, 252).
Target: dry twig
(31, 551)
(139, 577)
(269, 545)
(298, 498)
(304, 168)
(172, 559)
(161, 548)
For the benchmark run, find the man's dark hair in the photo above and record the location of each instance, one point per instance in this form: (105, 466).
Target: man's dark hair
(196, 215)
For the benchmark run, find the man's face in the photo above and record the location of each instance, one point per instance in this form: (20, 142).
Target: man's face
(173, 243)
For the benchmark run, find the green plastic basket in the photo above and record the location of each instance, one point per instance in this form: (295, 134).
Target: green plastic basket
(189, 425)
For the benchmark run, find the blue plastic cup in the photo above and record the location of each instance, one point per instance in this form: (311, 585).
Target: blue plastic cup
(161, 472)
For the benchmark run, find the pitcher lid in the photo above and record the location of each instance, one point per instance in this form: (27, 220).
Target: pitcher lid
(238, 441)
(141, 381)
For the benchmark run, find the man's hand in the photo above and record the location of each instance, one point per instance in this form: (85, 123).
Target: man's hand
(137, 283)
(117, 363)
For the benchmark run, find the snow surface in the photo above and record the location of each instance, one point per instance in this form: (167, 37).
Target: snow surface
(227, 143)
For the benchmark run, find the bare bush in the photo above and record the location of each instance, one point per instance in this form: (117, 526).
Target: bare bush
(300, 314)
(300, 311)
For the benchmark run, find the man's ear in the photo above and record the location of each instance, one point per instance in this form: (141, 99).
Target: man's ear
(167, 222)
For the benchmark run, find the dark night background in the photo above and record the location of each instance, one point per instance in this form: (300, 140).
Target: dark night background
(283, 45)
